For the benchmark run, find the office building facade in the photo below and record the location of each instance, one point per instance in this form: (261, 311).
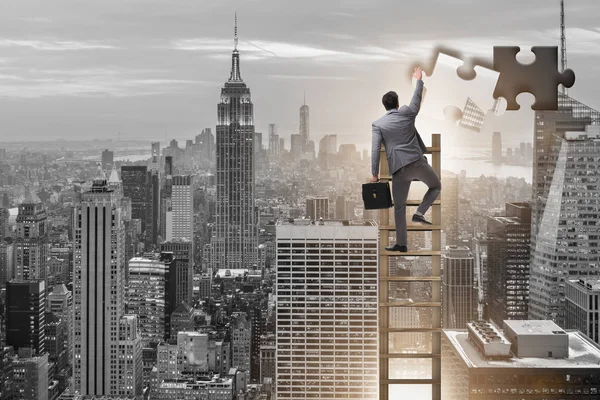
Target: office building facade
(581, 306)
(326, 311)
(459, 297)
(564, 215)
(235, 243)
(25, 315)
(509, 239)
(31, 243)
(98, 289)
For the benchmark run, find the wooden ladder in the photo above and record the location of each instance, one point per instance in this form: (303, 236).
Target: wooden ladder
(435, 278)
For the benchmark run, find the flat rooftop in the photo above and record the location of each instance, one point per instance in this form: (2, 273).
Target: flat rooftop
(587, 283)
(582, 354)
(534, 327)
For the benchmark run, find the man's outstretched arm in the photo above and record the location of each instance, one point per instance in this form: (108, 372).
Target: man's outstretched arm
(375, 152)
(415, 102)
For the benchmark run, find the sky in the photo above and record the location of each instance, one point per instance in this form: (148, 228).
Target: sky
(149, 69)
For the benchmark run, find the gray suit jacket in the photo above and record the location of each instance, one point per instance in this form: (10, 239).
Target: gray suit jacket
(396, 129)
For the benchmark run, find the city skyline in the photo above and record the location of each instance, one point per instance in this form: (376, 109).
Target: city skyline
(79, 85)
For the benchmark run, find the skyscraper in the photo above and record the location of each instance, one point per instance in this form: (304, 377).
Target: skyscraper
(155, 158)
(497, 148)
(25, 315)
(129, 372)
(273, 140)
(98, 289)
(241, 328)
(146, 296)
(564, 215)
(508, 263)
(581, 306)
(327, 311)
(236, 237)
(107, 160)
(182, 206)
(304, 123)
(135, 186)
(459, 297)
(317, 208)
(32, 239)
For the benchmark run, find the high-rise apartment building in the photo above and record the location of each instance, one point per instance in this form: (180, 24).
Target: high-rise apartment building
(508, 263)
(98, 289)
(147, 296)
(297, 145)
(459, 296)
(317, 208)
(565, 216)
(497, 148)
(25, 315)
(236, 230)
(327, 310)
(107, 160)
(31, 244)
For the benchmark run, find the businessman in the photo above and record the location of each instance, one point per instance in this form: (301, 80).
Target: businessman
(404, 150)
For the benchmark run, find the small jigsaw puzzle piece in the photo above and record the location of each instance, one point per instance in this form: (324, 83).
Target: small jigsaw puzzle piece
(447, 94)
(540, 78)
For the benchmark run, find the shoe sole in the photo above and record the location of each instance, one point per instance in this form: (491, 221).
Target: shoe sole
(422, 222)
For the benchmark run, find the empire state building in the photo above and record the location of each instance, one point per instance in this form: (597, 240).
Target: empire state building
(235, 241)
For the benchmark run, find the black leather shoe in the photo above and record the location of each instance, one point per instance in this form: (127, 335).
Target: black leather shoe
(420, 219)
(397, 247)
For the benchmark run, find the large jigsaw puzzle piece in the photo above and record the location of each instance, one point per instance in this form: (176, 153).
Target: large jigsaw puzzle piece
(540, 78)
(453, 87)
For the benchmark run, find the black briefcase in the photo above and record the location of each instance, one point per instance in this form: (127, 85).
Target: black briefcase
(377, 195)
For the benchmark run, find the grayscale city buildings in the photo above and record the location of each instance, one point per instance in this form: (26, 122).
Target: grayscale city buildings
(532, 359)
(459, 294)
(565, 211)
(235, 242)
(99, 295)
(508, 246)
(326, 310)
(31, 244)
(581, 306)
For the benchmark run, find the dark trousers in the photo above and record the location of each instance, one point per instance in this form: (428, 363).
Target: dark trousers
(419, 170)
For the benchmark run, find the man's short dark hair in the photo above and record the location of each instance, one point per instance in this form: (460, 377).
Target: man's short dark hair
(390, 100)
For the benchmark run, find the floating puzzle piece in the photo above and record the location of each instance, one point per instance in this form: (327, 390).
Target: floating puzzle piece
(540, 78)
(453, 86)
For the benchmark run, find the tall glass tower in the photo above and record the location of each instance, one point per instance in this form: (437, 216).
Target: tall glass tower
(566, 180)
(236, 238)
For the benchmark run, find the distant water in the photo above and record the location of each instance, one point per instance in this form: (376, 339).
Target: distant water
(477, 161)
(133, 157)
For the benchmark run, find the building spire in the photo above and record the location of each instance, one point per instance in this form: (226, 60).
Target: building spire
(563, 43)
(305, 97)
(235, 57)
(235, 35)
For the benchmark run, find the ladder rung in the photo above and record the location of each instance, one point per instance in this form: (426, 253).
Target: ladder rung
(419, 253)
(411, 278)
(412, 304)
(410, 355)
(409, 330)
(417, 203)
(429, 150)
(412, 228)
(409, 381)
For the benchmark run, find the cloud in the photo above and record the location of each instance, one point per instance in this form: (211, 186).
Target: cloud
(262, 49)
(312, 77)
(106, 83)
(55, 45)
